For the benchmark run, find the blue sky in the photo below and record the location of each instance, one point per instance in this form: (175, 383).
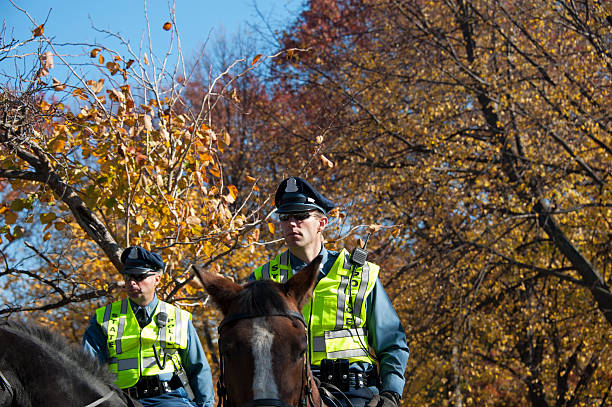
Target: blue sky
(70, 21)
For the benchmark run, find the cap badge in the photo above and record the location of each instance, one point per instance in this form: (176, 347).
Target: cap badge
(291, 185)
(133, 253)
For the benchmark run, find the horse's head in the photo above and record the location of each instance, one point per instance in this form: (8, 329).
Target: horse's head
(39, 367)
(263, 341)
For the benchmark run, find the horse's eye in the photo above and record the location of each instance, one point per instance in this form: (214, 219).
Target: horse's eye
(300, 352)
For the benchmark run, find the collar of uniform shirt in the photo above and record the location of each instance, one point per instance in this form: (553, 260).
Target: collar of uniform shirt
(150, 308)
(328, 259)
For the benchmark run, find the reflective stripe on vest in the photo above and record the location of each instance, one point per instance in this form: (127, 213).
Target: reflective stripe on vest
(333, 332)
(131, 348)
(278, 269)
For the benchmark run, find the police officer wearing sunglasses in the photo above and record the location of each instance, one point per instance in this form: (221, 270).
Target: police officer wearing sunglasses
(150, 345)
(340, 342)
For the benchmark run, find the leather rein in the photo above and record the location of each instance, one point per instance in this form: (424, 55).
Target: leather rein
(6, 386)
(306, 390)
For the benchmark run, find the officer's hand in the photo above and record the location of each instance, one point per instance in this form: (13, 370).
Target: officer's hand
(385, 399)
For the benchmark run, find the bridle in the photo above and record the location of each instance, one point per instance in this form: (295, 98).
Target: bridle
(306, 397)
(5, 385)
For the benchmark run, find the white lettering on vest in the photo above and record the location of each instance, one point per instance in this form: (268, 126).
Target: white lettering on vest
(264, 386)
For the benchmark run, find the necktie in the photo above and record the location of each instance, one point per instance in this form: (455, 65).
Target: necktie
(141, 317)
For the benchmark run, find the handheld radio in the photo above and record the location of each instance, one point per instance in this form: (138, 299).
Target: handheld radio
(162, 321)
(359, 255)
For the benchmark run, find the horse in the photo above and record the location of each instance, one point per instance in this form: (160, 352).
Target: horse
(40, 368)
(263, 343)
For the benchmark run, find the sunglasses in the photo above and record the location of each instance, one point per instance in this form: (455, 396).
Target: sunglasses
(284, 217)
(137, 277)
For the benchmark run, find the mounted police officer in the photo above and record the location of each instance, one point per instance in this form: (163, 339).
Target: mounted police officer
(150, 345)
(364, 318)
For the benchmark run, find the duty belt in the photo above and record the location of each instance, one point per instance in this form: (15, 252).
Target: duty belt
(152, 386)
(355, 380)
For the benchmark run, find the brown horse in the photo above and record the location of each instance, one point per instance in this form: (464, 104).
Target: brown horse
(263, 341)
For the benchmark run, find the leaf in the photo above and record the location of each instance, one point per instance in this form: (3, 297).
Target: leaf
(116, 95)
(96, 86)
(257, 58)
(113, 67)
(214, 171)
(326, 161)
(94, 52)
(47, 217)
(38, 31)
(18, 231)
(193, 220)
(57, 85)
(146, 121)
(10, 218)
(271, 227)
(235, 96)
(57, 145)
(18, 204)
(223, 141)
(46, 61)
(233, 191)
(110, 203)
(373, 228)
(167, 25)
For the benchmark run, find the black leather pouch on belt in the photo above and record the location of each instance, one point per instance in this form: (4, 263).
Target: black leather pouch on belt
(150, 386)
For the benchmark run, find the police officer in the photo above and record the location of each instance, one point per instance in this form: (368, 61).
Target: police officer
(150, 345)
(364, 319)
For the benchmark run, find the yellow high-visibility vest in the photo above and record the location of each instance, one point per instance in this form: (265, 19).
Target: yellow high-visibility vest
(338, 319)
(131, 348)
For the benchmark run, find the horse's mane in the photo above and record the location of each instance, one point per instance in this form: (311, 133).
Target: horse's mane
(57, 345)
(262, 297)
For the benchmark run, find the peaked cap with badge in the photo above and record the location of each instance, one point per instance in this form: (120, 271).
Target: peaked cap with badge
(295, 194)
(138, 260)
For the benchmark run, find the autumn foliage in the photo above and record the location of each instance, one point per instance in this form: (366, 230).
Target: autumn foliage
(471, 138)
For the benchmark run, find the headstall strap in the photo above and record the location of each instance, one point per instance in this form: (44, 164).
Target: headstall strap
(101, 399)
(247, 315)
(5, 385)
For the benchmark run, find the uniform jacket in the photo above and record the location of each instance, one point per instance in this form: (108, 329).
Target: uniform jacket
(384, 332)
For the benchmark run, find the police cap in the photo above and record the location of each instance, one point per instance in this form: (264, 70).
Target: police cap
(138, 260)
(296, 195)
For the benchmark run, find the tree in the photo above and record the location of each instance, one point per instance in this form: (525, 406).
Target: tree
(484, 129)
(92, 165)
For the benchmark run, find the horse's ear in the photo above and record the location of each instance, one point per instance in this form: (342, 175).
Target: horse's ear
(300, 286)
(222, 290)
